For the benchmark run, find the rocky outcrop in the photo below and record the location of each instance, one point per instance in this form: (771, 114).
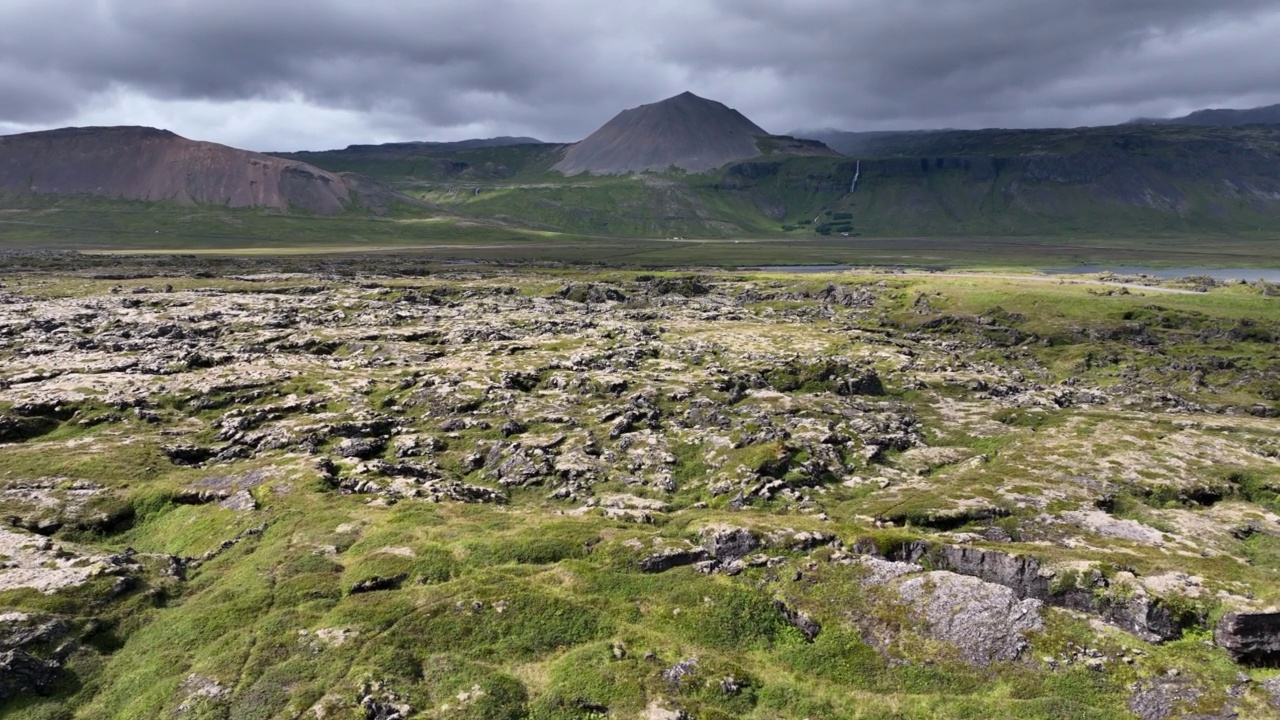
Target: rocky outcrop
(22, 673)
(378, 702)
(798, 619)
(1161, 698)
(1250, 638)
(671, 557)
(19, 429)
(729, 544)
(375, 584)
(1133, 610)
(1139, 613)
(985, 622)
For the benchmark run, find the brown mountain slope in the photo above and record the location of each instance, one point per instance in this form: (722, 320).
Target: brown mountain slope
(138, 163)
(686, 131)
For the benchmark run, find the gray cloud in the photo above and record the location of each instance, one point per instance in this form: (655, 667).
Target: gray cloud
(284, 74)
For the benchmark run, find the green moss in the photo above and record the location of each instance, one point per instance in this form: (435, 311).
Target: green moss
(539, 544)
(426, 565)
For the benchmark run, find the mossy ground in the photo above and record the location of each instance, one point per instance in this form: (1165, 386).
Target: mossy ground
(538, 609)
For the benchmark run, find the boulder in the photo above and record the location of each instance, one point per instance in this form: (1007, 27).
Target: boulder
(22, 673)
(985, 622)
(729, 544)
(1140, 614)
(361, 448)
(374, 584)
(1250, 638)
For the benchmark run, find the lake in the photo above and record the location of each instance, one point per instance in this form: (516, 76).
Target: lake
(1166, 273)
(1270, 275)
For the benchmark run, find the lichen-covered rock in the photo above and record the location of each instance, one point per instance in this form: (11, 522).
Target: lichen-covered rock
(727, 544)
(38, 563)
(375, 584)
(200, 691)
(18, 629)
(1272, 688)
(1139, 612)
(1162, 698)
(882, 572)
(361, 448)
(985, 622)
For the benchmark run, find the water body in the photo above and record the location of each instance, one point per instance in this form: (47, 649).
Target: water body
(799, 269)
(1270, 275)
(1169, 273)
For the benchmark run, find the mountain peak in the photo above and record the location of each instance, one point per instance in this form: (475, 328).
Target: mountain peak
(685, 131)
(686, 95)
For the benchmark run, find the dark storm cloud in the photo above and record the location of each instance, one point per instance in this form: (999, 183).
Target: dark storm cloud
(559, 68)
(940, 60)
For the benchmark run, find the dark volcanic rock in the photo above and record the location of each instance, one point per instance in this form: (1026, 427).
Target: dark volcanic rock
(685, 131)
(15, 635)
(188, 454)
(591, 293)
(22, 673)
(866, 383)
(378, 583)
(670, 558)
(361, 448)
(377, 702)
(1272, 687)
(1250, 638)
(730, 544)
(801, 621)
(1144, 616)
(18, 429)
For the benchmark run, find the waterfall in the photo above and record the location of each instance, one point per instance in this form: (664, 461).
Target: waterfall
(857, 173)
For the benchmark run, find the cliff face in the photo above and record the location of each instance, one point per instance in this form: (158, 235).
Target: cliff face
(138, 163)
(1035, 182)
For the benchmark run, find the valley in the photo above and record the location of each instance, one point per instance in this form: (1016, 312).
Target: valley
(683, 420)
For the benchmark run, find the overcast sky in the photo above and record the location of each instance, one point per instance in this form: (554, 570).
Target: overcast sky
(317, 74)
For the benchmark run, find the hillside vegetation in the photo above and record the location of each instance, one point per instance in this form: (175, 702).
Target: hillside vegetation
(1126, 180)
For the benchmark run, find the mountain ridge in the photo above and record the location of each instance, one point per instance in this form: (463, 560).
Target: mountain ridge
(150, 164)
(1221, 117)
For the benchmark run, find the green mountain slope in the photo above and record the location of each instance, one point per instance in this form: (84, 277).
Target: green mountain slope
(410, 162)
(1131, 181)
(1093, 181)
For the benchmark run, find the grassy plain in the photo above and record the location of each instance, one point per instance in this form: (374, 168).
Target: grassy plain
(123, 227)
(536, 608)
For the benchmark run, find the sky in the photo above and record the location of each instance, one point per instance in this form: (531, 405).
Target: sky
(317, 74)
